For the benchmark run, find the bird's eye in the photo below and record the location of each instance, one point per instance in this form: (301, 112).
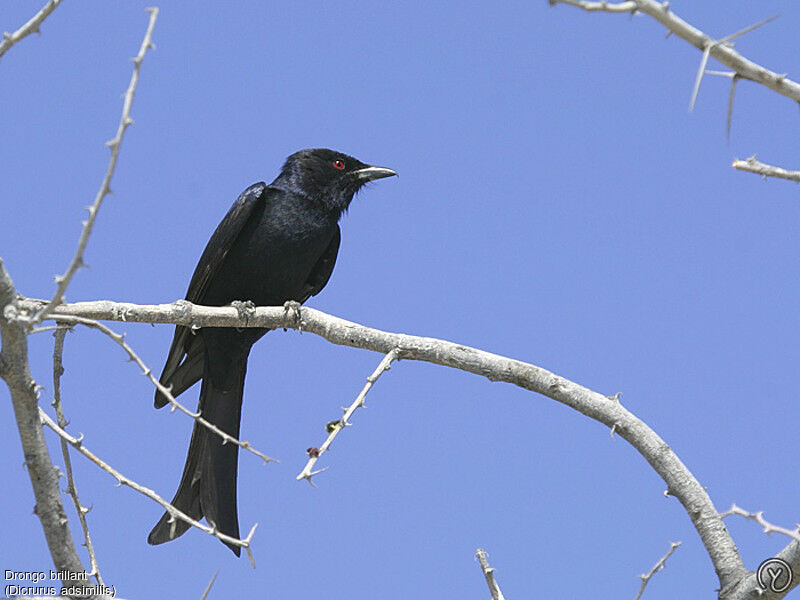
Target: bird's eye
(338, 164)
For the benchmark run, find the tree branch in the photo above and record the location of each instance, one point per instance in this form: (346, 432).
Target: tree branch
(77, 443)
(62, 281)
(488, 573)
(656, 568)
(719, 49)
(72, 489)
(758, 517)
(751, 165)
(334, 427)
(609, 411)
(44, 476)
(119, 339)
(32, 26)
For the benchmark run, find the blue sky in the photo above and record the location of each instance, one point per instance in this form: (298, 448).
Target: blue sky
(556, 203)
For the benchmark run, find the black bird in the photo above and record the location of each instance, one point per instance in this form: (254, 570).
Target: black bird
(277, 243)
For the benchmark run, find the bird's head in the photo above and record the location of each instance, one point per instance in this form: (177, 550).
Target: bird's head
(328, 177)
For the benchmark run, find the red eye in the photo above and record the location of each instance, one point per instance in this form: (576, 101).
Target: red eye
(338, 164)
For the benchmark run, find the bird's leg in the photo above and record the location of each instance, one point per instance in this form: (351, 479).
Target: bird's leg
(244, 309)
(294, 306)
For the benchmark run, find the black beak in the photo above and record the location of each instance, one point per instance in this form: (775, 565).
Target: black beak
(372, 173)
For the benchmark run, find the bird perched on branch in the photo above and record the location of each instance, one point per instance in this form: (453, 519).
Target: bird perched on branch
(277, 243)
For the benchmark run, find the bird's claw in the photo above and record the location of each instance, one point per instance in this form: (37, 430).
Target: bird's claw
(294, 307)
(245, 309)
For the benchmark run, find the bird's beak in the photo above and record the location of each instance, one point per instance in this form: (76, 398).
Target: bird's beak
(371, 173)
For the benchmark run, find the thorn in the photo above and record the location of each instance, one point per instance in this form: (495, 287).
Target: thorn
(748, 29)
(699, 78)
(734, 80)
(249, 537)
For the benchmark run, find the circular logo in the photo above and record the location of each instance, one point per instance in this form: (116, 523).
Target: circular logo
(774, 575)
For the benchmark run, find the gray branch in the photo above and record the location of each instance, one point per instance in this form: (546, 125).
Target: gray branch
(62, 281)
(32, 26)
(609, 411)
(488, 573)
(721, 49)
(751, 165)
(15, 370)
(656, 568)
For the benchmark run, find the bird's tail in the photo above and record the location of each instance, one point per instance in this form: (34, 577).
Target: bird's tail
(208, 484)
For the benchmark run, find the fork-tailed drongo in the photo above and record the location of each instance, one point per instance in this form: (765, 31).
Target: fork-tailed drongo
(277, 243)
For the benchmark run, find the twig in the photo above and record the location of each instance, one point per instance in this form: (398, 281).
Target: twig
(758, 517)
(680, 481)
(72, 490)
(656, 568)
(488, 573)
(609, 7)
(751, 165)
(32, 26)
(719, 49)
(337, 426)
(147, 372)
(62, 281)
(77, 443)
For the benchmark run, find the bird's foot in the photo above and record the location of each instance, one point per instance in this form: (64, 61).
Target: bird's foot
(245, 309)
(294, 307)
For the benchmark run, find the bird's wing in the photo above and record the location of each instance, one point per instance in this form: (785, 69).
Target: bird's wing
(222, 240)
(321, 272)
(214, 254)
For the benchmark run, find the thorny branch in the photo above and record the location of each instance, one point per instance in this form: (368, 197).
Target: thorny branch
(488, 573)
(722, 50)
(758, 517)
(751, 165)
(656, 568)
(15, 370)
(119, 339)
(62, 281)
(681, 483)
(334, 427)
(77, 443)
(72, 489)
(32, 26)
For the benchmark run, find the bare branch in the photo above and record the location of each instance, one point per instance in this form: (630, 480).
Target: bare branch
(609, 7)
(719, 49)
(148, 372)
(488, 573)
(335, 427)
(751, 165)
(72, 489)
(32, 26)
(15, 371)
(78, 444)
(758, 517)
(62, 281)
(681, 483)
(656, 568)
